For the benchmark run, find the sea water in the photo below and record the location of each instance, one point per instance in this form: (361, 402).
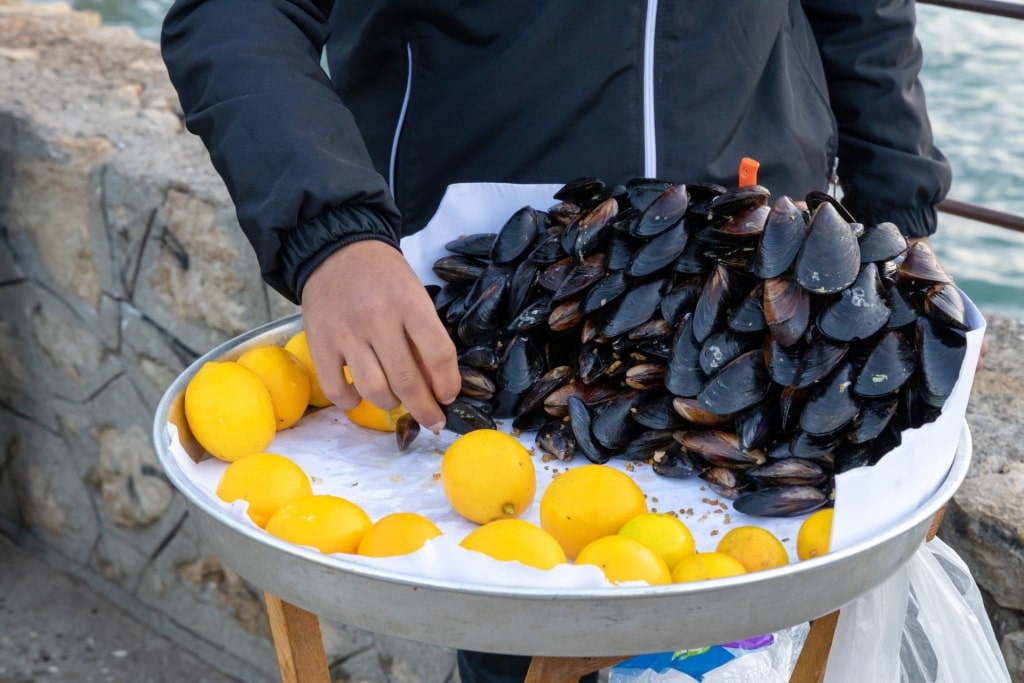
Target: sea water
(972, 78)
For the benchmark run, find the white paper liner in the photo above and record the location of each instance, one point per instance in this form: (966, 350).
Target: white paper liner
(365, 467)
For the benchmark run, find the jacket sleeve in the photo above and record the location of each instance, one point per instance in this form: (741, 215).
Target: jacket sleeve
(888, 167)
(250, 83)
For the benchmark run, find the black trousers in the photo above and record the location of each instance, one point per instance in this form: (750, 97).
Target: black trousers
(487, 667)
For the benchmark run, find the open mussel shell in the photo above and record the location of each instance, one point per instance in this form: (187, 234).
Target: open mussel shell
(941, 352)
(881, 242)
(860, 311)
(737, 386)
(831, 405)
(829, 259)
(889, 364)
(782, 501)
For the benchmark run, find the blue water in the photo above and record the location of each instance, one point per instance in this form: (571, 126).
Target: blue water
(972, 77)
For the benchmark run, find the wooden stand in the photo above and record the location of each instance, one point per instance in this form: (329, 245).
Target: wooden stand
(301, 657)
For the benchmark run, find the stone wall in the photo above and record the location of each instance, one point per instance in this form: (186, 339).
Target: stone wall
(121, 262)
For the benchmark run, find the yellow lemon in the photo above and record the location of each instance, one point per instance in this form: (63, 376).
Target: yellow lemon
(328, 523)
(585, 503)
(815, 535)
(266, 480)
(299, 347)
(665, 534)
(703, 566)
(399, 533)
(229, 410)
(622, 559)
(488, 475)
(755, 547)
(515, 539)
(366, 414)
(286, 379)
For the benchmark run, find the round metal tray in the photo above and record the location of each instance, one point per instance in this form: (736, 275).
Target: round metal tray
(541, 622)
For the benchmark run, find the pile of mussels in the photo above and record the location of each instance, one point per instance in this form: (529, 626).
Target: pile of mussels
(762, 346)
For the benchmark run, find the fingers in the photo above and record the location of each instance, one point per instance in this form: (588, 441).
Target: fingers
(364, 307)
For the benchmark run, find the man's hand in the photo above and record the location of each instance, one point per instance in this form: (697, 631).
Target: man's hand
(365, 308)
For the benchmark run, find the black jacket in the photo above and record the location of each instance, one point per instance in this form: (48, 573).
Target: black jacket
(423, 94)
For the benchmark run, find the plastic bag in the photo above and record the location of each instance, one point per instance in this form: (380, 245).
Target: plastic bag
(925, 624)
(765, 659)
(944, 632)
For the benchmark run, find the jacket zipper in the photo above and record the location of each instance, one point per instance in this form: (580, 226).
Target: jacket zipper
(401, 121)
(650, 136)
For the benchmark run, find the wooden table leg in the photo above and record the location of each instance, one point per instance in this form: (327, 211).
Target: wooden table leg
(566, 669)
(810, 666)
(298, 642)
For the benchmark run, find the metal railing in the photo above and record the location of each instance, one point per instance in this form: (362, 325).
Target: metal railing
(1010, 10)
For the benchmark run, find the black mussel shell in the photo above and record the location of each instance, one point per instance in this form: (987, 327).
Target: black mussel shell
(620, 252)
(757, 426)
(816, 198)
(783, 363)
(829, 259)
(483, 320)
(536, 313)
(658, 413)
(941, 352)
(521, 287)
(875, 415)
(583, 191)
(663, 213)
(646, 376)
(555, 438)
(521, 366)
(476, 383)
(859, 312)
(533, 398)
(565, 316)
(736, 200)
(580, 420)
(781, 501)
(551, 276)
(804, 445)
(724, 346)
(595, 361)
(818, 359)
(791, 403)
(726, 482)
(783, 235)
(697, 415)
(889, 364)
(582, 276)
(612, 424)
(789, 472)
(462, 417)
(695, 259)
(635, 307)
(881, 242)
(478, 245)
(547, 248)
(745, 224)
(642, 192)
(482, 357)
(406, 431)
(714, 302)
(944, 304)
(594, 228)
(902, 310)
(517, 235)
(659, 252)
(603, 292)
(831, 405)
(920, 266)
(646, 443)
(737, 386)
(787, 309)
(673, 462)
(680, 300)
(458, 268)
(748, 316)
(719, 448)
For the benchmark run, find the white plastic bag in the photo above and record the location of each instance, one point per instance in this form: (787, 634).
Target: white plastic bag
(935, 607)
